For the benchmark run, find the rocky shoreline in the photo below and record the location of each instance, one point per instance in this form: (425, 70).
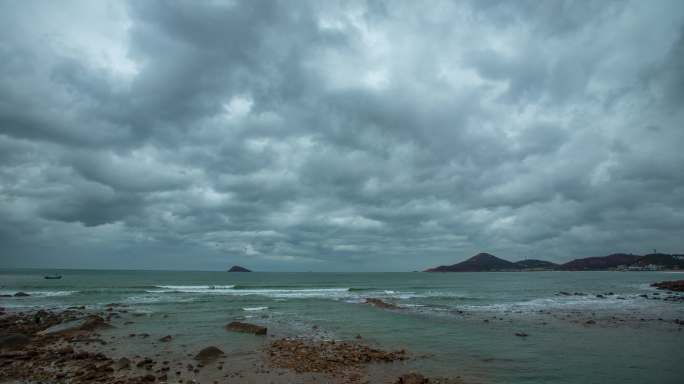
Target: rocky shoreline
(68, 347)
(675, 286)
(120, 343)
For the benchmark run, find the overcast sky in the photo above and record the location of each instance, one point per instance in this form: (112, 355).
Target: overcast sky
(350, 136)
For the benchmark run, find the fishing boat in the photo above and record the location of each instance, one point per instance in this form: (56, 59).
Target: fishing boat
(53, 277)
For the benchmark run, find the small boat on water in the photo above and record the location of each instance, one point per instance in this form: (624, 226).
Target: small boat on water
(53, 277)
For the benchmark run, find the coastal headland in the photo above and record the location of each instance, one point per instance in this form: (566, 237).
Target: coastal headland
(485, 262)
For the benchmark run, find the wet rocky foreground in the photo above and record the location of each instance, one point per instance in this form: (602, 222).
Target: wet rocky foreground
(69, 347)
(79, 345)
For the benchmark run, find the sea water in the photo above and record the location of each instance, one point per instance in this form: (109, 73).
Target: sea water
(454, 324)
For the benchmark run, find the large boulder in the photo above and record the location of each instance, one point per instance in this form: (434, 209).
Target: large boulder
(237, 326)
(13, 341)
(209, 354)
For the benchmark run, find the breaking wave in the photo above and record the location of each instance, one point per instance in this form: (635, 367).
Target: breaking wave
(244, 291)
(191, 288)
(41, 293)
(253, 309)
(584, 302)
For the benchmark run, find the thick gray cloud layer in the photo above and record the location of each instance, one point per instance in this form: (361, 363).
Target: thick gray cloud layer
(296, 135)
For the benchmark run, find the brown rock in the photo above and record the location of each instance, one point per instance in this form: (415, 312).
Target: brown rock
(326, 356)
(676, 285)
(92, 323)
(380, 304)
(209, 354)
(412, 378)
(66, 351)
(145, 363)
(237, 326)
(13, 341)
(166, 339)
(123, 363)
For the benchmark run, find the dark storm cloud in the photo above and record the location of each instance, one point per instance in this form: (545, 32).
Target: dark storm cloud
(338, 135)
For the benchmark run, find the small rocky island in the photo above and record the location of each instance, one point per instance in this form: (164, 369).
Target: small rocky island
(237, 268)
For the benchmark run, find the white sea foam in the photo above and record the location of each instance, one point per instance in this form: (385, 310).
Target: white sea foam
(144, 299)
(404, 295)
(582, 302)
(269, 292)
(196, 286)
(355, 300)
(154, 299)
(41, 293)
(193, 288)
(295, 293)
(254, 308)
(53, 293)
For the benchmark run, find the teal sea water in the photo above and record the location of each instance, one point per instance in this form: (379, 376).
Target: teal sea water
(461, 323)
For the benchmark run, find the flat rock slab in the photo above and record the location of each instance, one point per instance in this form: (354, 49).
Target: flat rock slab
(380, 304)
(412, 378)
(237, 326)
(89, 323)
(13, 341)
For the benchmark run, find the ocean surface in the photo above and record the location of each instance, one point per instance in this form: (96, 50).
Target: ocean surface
(456, 324)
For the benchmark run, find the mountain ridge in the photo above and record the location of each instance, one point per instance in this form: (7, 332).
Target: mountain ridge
(535, 264)
(485, 262)
(600, 262)
(477, 263)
